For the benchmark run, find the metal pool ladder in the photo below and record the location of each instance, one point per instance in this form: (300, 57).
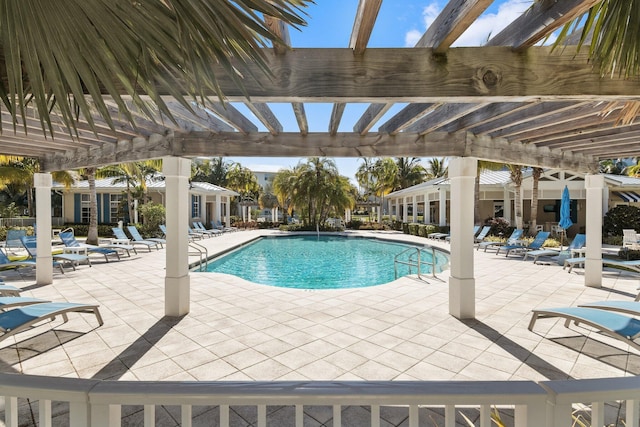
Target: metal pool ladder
(196, 249)
(416, 260)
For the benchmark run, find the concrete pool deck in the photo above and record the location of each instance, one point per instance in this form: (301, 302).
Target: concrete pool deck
(238, 331)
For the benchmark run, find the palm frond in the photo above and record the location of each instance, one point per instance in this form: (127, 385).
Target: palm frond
(62, 57)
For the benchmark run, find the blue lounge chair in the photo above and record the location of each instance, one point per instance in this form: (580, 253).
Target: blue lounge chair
(29, 243)
(578, 243)
(8, 264)
(627, 307)
(121, 236)
(133, 230)
(8, 290)
(512, 240)
(218, 226)
(617, 325)
(22, 318)
(633, 264)
(483, 233)
(71, 244)
(7, 303)
(200, 228)
(476, 228)
(537, 243)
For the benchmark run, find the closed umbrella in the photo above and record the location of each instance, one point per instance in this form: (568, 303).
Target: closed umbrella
(565, 213)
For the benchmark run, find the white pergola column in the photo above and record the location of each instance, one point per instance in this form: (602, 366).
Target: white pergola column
(427, 209)
(442, 193)
(44, 260)
(595, 186)
(218, 204)
(177, 282)
(228, 212)
(415, 209)
(462, 292)
(405, 210)
(507, 205)
(398, 210)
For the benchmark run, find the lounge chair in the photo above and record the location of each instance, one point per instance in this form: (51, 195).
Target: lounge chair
(218, 226)
(12, 242)
(630, 239)
(29, 243)
(617, 325)
(483, 233)
(537, 243)
(133, 230)
(7, 264)
(22, 318)
(578, 242)
(121, 236)
(440, 236)
(197, 233)
(633, 264)
(7, 303)
(8, 290)
(480, 235)
(72, 245)
(627, 307)
(199, 227)
(512, 240)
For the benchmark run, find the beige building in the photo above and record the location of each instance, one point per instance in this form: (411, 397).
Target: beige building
(207, 202)
(430, 200)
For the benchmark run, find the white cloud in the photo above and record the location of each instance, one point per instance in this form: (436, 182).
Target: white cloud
(429, 14)
(488, 25)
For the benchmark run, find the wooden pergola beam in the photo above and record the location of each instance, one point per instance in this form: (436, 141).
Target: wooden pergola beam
(293, 144)
(363, 24)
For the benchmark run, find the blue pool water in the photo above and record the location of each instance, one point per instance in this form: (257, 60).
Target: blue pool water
(317, 262)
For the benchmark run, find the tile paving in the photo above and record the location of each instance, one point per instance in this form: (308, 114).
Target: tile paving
(237, 330)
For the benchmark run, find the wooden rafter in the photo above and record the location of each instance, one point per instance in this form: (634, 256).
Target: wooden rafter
(363, 24)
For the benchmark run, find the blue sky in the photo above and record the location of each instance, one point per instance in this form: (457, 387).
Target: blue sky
(399, 24)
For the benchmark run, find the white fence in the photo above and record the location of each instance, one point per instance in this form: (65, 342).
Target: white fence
(100, 403)
(28, 221)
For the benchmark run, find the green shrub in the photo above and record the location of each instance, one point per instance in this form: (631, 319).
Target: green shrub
(104, 230)
(374, 226)
(153, 214)
(619, 218)
(405, 228)
(354, 224)
(499, 227)
(413, 228)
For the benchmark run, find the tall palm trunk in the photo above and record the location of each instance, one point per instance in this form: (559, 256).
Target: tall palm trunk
(30, 207)
(476, 199)
(534, 200)
(92, 234)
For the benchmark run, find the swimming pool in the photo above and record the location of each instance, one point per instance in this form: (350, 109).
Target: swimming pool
(318, 262)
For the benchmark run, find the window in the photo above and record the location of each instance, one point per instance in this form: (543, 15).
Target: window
(195, 206)
(84, 208)
(498, 209)
(115, 213)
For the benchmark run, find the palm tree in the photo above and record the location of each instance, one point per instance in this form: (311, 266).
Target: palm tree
(284, 189)
(92, 233)
(515, 171)
(535, 174)
(482, 166)
(20, 170)
(385, 171)
(410, 172)
(133, 174)
(437, 168)
(133, 48)
(243, 181)
(212, 170)
(634, 170)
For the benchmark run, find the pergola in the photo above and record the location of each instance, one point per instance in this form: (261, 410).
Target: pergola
(509, 101)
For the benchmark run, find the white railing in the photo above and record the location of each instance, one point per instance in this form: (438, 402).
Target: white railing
(97, 403)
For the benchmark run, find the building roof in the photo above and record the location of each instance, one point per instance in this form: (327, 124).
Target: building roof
(487, 177)
(153, 184)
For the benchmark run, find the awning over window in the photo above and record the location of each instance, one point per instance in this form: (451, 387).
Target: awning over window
(628, 196)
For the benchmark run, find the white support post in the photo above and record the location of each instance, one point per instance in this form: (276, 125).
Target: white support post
(398, 210)
(427, 209)
(415, 209)
(595, 186)
(507, 205)
(462, 293)
(442, 193)
(228, 212)
(177, 282)
(44, 260)
(405, 210)
(218, 215)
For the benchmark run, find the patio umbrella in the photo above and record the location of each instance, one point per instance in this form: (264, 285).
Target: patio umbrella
(565, 213)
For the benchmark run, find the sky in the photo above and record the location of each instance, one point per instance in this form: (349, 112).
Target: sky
(399, 24)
